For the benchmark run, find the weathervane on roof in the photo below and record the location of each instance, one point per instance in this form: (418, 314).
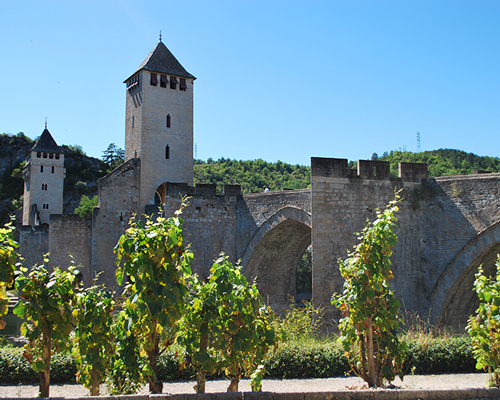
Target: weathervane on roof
(45, 122)
(160, 36)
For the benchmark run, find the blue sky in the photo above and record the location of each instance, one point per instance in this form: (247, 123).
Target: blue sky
(277, 80)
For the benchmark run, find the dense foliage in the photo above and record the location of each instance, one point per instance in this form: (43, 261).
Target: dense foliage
(47, 304)
(443, 161)
(152, 254)
(8, 260)
(313, 358)
(304, 273)
(113, 157)
(94, 339)
(484, 326)
(86, 206)
(253, 176)
(227, 327)
(369, 327)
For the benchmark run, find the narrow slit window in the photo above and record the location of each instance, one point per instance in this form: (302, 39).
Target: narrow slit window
(52, 169)
(173, 82)
(132, 121)
(154, 79)
(163, 81)
(41, 168)
(167, 152)
(168, 121)
(183, 85)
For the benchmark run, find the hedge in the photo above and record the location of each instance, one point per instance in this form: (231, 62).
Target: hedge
(431, 356)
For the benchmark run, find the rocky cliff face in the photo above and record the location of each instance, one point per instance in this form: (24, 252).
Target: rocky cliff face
(82, 173)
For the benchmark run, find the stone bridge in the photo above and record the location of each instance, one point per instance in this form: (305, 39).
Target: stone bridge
(447, 227)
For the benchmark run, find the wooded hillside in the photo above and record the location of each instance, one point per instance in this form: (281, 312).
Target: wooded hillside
(443, 161)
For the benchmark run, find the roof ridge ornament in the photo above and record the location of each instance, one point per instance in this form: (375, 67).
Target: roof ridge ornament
(160, 36)
(45, 122)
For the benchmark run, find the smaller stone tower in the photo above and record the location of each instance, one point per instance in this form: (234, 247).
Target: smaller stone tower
(43, 177)
(159, 123)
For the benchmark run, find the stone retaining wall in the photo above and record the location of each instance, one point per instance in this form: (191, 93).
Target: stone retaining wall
(378, 394)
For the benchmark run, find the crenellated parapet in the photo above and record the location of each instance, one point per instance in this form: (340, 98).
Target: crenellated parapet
(200, 190)
(367, 169)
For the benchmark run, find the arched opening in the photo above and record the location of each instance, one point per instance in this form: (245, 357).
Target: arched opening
(303, 278)
(461, 300)
(161, 194)
(453, 299)
(274, 260)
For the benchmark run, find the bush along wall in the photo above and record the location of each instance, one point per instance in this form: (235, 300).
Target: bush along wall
(289, 360)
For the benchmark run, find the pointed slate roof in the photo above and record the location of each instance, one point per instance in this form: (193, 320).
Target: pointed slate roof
(46, 143)
(161, 60)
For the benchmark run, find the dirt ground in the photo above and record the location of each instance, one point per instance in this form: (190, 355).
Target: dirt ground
(445, 381)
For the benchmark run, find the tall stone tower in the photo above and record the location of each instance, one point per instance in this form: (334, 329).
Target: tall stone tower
(43, 177)
(159, 123)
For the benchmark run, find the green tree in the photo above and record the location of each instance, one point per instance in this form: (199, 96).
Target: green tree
(113, 157)
(86, 206)
(484, 326)
(127, 369)
(153, 256)
(194, 333)
(47, 303)
(8, 263)
(94, 337)
(368, 331)
(304, 273)
(242, 332)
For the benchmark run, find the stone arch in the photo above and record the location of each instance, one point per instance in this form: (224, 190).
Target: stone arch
(161, 194)
(453, 298)
(274, 252)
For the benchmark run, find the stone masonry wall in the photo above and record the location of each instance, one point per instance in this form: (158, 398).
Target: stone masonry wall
(209, 221)
(71, 235)
(149, 136)
(118, 201)
(33, 244)
(342, 201)
(462, 226)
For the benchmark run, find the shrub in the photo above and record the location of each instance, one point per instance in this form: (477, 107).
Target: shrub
(370, 309)
(292, 361)
(14, 368)
(439, 355)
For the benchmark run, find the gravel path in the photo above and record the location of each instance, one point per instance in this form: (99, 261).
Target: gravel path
(445, 381)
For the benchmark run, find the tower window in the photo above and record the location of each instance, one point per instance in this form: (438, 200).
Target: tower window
(57, 156)
(45, 206)
(167, 152)
(44, 186)
(38, 154)
(41, 168)
(168, 120)
(154, 79)
(44, 155)
(163, 81)
(52, 169)
(183, 85)
(51, 155)
(173, 82)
